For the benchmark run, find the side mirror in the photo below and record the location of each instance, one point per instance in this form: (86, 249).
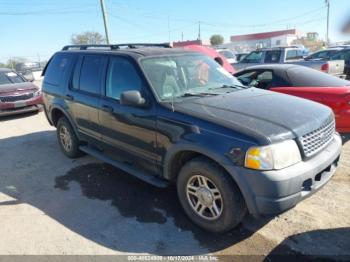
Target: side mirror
(132, 98)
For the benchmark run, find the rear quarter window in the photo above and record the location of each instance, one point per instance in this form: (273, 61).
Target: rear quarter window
(57, 68)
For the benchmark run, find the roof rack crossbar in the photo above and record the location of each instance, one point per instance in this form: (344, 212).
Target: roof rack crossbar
(114, 47)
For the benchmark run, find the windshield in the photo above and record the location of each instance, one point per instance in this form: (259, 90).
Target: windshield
(10, 78)
(188, 75)
(227, 54)
(253, 57)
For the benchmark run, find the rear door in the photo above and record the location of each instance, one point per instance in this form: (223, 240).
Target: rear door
(85, 94)
(128, 132)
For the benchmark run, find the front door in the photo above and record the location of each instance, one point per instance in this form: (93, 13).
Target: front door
(128, 132)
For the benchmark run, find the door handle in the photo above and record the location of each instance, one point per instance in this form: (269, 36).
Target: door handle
(69, 97)
(107, 108)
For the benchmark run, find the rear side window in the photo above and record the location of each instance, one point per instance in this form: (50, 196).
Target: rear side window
(291, 54)
(294, 54)
(91, 73)
(301, 76)
(122, 76)
(272, 56)
(321, 54)
(57, 68)
(342, 55)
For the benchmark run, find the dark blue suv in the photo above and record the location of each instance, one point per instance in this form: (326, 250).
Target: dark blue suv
(169, 116)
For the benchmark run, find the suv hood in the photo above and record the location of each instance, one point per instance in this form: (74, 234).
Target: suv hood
(18, 88)
(267, 116)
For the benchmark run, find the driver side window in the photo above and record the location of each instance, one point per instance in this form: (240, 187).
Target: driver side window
(258, 79)
(122, 76)
(264, 80)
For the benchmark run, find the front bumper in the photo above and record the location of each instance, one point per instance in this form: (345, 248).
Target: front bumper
(21, 110)
(270, 192)
(19, 107)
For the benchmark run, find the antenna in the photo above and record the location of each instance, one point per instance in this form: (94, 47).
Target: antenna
(172, 102)
(199, 30)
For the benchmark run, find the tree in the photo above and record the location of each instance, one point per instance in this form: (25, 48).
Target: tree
(88, 37)
(311, 44)
(216, 40)
(13, 61)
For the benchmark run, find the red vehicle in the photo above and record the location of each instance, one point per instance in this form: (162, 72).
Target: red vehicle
(306, 83)
(214, 54)
(17, 95)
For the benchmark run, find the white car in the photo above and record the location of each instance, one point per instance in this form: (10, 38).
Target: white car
(228, 54)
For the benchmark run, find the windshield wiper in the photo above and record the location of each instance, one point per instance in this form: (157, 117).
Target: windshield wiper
(239, 87)
(198, 94)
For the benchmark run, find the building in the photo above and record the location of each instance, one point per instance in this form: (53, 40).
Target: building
(249, 42)
(190, 42)
(312, 36)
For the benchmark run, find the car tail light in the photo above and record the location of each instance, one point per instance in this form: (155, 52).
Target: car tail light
(325, 67)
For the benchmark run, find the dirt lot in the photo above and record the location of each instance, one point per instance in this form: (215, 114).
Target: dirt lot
(50, 204)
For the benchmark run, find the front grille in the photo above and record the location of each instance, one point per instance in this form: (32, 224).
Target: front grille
(16, 98)
(315, 141)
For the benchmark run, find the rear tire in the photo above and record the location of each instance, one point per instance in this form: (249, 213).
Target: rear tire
(67, 139)
(209, 196)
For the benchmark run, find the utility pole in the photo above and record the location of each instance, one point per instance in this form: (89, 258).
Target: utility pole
(182, 36)
(327, 30)
(199, 30)
(104, 14)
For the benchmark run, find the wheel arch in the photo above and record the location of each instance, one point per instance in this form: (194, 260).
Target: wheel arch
(178, 155)
(57, 112)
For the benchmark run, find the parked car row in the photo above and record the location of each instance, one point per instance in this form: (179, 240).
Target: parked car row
(334, 53)
(291, 55)
(175, 116)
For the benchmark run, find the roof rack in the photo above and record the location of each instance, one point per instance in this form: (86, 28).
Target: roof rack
(278, 47)
(114, 47)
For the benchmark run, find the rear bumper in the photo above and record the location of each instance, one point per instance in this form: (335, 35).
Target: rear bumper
(271, 192)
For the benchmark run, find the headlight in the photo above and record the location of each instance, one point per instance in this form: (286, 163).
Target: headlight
(37, 93)
(275, 156)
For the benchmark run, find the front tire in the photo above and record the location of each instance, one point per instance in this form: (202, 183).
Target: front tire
(209, 196)
(67, 139)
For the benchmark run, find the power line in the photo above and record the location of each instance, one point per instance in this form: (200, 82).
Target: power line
(164, 17)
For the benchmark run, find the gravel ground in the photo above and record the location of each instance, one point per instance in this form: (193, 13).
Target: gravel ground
(50, 204)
